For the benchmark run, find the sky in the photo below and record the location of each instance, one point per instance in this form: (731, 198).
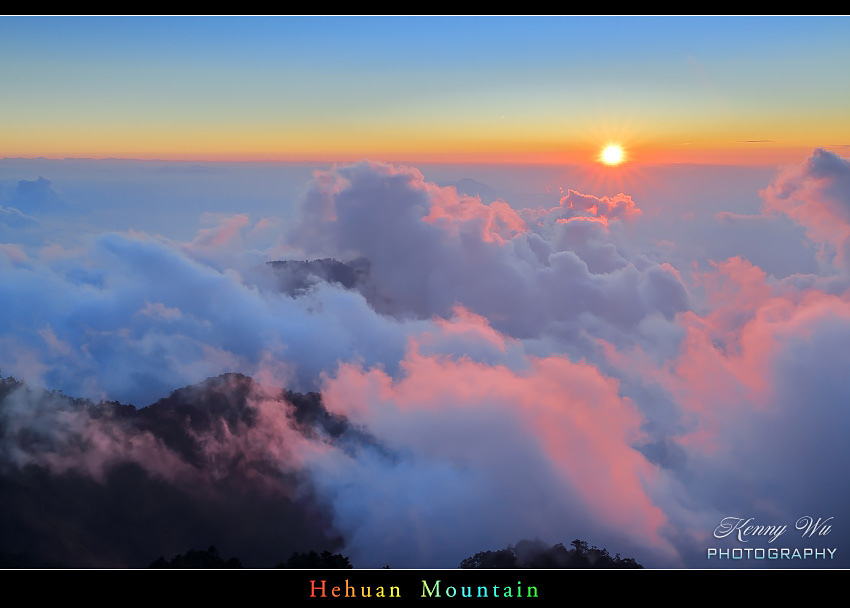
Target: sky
(510, 338)
(438, 89)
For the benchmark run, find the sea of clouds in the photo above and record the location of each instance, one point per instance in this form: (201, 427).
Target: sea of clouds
(538, 361)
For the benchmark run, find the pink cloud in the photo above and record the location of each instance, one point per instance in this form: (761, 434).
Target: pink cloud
(577, 206)
(14, 252)
(225, 232)
(816, 195)
(496, 222)
(569, 410)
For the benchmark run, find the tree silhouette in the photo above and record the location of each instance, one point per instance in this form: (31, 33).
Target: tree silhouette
(313, 560)
(535, 554)
(503, 558)
(197, 559)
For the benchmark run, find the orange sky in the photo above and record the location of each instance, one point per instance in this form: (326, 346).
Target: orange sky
(507, 90)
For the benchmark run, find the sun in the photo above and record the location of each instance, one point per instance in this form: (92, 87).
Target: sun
(612, 154)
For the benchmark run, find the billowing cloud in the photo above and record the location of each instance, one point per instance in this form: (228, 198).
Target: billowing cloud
(816, 195)
(488, 370)
(430, 248)
(513, 442)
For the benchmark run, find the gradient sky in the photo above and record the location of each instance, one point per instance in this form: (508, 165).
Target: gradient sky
(518, 89)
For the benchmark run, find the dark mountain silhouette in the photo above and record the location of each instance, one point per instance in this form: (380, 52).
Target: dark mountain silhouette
(297, 276)
(526, 554)
(25, 560)
(313, 560)
(536, 554)
(86, 484)
(109, 485)
(197, 559)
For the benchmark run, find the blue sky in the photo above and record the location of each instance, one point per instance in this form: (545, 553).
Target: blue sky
(543, 87)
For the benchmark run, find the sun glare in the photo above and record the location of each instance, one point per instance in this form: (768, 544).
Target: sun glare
(612, 155)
